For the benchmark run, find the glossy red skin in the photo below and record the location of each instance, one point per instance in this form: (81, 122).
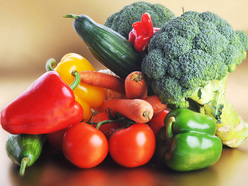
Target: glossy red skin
(133, 146)
(48, 105)
(142, 32)
(55, 139)
(84, 146)
(158, 121)
(109, 128)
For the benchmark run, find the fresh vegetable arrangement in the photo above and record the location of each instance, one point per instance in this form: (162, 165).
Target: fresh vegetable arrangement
(163, 91)
(192, 56)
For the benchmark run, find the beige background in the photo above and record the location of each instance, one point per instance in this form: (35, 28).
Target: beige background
(33, 31)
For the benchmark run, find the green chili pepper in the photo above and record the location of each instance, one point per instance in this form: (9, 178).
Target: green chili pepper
(24, 149)
(187, 141)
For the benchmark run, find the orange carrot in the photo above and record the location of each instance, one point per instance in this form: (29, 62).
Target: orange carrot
(103, 80)
(137, 110)
(110, 94)
(157, 105)
(135, 85)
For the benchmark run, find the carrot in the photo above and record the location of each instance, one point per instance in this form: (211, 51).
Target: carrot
(110, 94)
(103, 80)
(157, 105)
(135, 85)
(137, 110)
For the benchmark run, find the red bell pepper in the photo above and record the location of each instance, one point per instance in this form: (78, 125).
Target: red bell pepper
(142, 32)
(48, 105)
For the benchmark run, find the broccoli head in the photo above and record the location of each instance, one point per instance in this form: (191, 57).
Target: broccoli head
(188, 62)
(122, 21)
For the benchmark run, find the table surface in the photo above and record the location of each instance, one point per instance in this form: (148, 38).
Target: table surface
(53, 169)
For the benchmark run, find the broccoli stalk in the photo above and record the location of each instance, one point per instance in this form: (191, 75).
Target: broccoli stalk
(231, 128)
(187, 65)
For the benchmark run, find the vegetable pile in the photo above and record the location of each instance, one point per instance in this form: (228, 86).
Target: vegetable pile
(163, 92)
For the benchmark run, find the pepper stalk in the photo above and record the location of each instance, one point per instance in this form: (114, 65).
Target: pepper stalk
(51, 64)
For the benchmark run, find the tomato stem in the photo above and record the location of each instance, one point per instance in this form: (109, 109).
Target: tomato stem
(98, 125)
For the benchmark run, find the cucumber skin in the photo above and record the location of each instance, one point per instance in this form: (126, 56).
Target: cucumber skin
(109, 47)
(19, 146)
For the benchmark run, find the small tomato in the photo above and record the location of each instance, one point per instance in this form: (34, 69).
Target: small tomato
(133, 146)
(157, 121)
(55, 139)
(108, 128)
(84, 145)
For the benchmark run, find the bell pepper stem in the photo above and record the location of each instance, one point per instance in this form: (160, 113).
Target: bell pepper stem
(50, 64)
(23, 166)
(76, 81)
(168, 124)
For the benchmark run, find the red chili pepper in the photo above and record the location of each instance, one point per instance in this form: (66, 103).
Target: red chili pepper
(142, 32)
(48, 105)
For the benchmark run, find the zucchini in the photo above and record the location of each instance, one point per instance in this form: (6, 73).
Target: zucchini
(109, 47)
(24, 149)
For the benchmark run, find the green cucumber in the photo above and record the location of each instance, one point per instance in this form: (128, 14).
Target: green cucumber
(24, 149)
(109, 47)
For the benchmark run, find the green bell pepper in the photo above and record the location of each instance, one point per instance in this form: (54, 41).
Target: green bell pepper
(187, 141)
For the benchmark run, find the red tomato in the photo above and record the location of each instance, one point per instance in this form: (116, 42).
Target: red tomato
(84, 145)
(55, 139)
(157, 121)
(133, 146)
(109, 128)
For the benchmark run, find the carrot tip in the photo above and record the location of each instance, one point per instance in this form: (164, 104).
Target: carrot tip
(137, 77)
(147, 115)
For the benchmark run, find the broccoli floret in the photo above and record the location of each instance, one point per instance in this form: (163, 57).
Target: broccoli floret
(122, 21)
(188, 62)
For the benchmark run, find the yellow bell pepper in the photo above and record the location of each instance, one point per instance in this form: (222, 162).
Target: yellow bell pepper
(87, 96)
